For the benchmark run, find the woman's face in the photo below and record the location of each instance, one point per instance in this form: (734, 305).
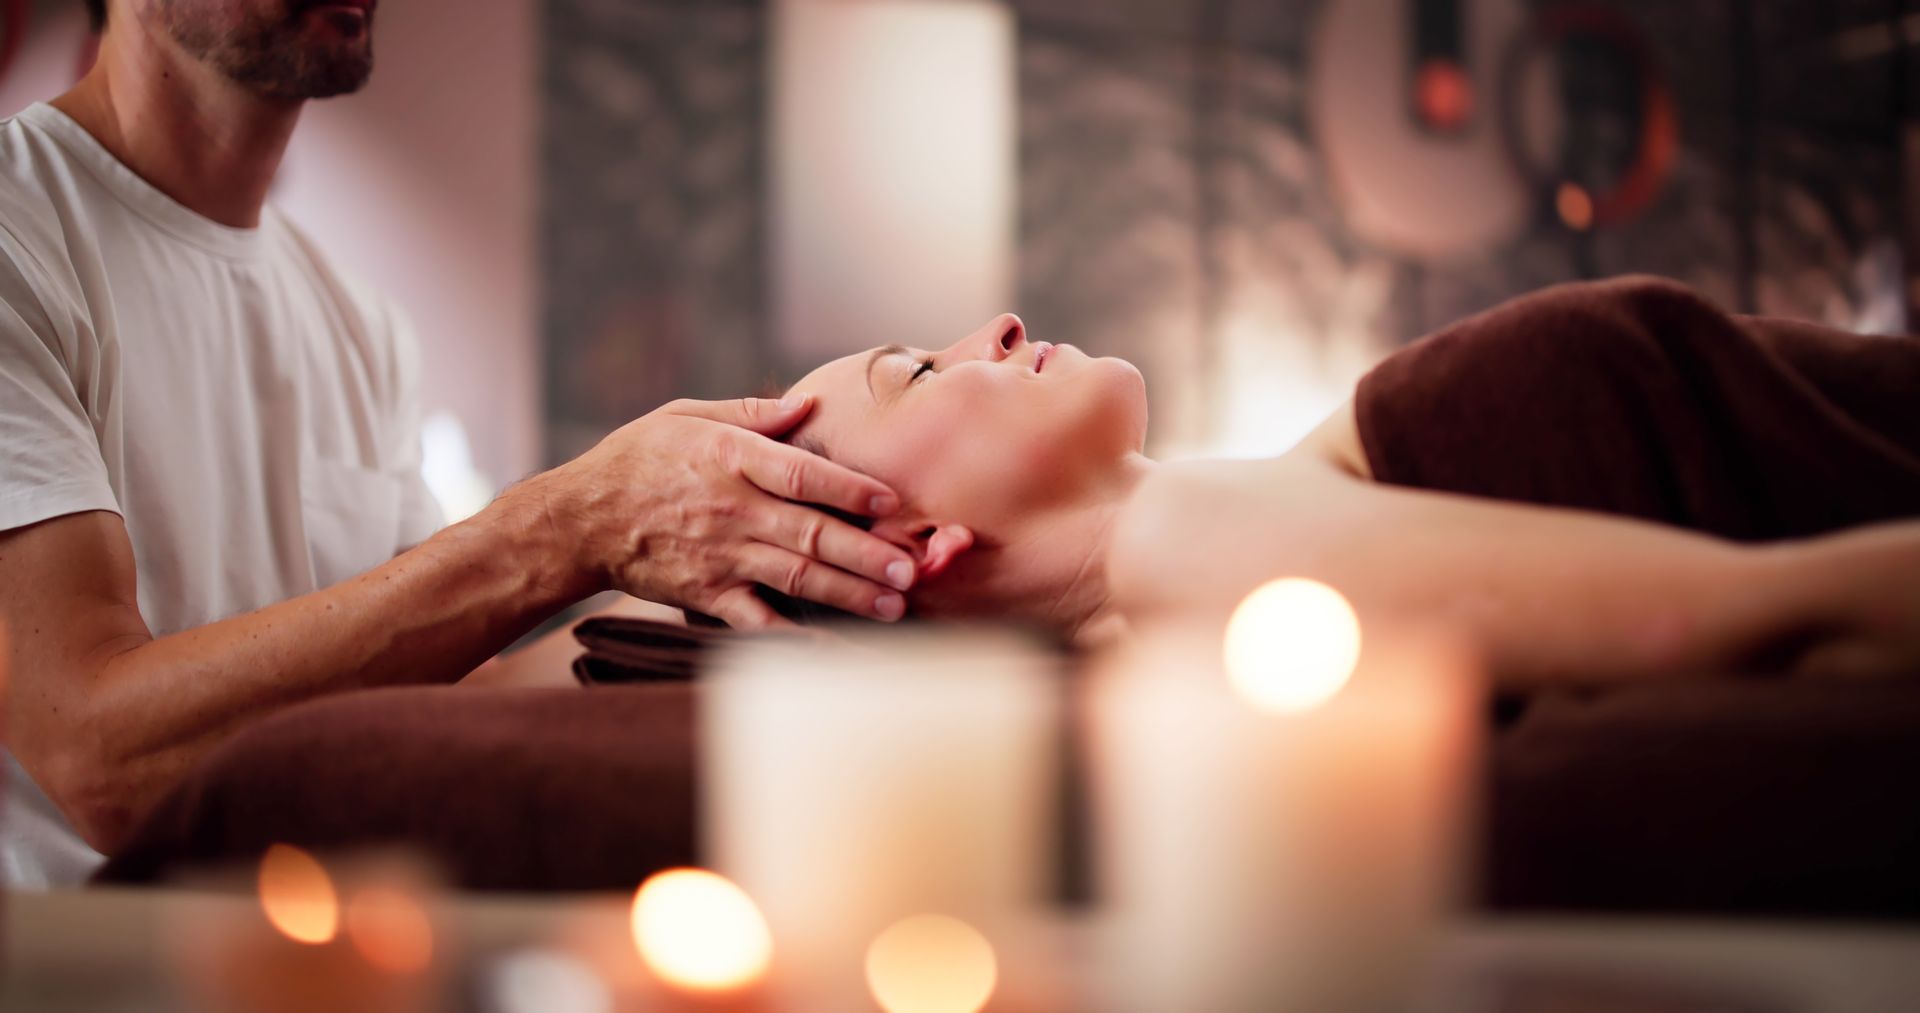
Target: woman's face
(982, 431)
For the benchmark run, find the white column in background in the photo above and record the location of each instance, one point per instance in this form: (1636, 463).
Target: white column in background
(892, 172)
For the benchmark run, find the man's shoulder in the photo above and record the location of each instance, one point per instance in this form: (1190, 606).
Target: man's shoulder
(33, 206)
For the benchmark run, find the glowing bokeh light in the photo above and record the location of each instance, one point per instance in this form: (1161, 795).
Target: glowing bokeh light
(1443, 94)
(1291, 644)
(390, 929)
(1575, 206)
(698, 931)
(931, 964)
(298, 896)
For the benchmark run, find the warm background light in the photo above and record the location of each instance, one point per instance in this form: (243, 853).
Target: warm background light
(390, 929)
(931, 964)
(698, 931)
(297, 895)
(1291, 644)
(1575, 206)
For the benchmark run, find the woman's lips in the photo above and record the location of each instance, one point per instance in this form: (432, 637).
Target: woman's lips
(1040, 350)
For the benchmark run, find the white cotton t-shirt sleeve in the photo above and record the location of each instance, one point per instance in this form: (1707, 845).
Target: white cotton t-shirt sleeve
(50, 462)
(420, 513)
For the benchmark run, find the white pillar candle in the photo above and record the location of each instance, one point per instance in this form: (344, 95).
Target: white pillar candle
(851, 786)
(1294, 853)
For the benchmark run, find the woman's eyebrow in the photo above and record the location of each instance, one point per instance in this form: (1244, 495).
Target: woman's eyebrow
(880, 353)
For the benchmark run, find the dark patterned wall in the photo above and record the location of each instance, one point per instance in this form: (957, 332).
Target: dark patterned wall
(1174, 208)
(653, 228)
(1170, 142)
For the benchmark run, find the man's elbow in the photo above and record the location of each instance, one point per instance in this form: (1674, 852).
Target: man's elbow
(95, 795)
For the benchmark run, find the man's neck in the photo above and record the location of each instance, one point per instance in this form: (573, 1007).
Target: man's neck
(196, 136)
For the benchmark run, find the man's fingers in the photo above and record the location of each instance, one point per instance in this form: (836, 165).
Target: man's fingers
(815, 534)
(798, 576)
(791, 473)
(763, 415)
(741, 609)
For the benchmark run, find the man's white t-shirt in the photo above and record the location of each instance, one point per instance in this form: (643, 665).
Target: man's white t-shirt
(248, 412)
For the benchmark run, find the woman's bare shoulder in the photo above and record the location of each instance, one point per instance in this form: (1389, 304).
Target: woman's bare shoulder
(1198, 529)
(1336, 441)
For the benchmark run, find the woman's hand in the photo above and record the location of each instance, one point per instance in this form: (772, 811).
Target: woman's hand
(693, 504)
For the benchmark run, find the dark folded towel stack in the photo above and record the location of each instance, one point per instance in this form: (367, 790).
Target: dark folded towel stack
(621, 649)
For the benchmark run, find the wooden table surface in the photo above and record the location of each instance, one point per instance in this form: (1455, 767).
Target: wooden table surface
(111, 950)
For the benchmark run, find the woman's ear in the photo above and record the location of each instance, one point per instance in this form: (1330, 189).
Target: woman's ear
(945, 543)
(933, 545)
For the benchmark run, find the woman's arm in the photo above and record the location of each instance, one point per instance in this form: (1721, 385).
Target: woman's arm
(1548, 593)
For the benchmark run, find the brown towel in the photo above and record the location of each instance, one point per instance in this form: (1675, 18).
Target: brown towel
(1638, 397)
(626, 649)
(508, 789)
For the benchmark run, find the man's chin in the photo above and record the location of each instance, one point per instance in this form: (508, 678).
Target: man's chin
(338, 74)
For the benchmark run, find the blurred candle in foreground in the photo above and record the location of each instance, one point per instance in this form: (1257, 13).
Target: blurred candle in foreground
(390, 929)
(298, 895)
(1272, 837)
(296, 947)
(699, 932)
(851, 785)
(931, 964)
(1291, 644)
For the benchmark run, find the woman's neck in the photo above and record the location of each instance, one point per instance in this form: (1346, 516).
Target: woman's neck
(1052, 570)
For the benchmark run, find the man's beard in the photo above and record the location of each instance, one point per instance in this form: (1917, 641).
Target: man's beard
(272, 56)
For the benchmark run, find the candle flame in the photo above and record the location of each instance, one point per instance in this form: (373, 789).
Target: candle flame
(390, 929)
(931, 964)
(699, 932)
(1291, 645)
(298, 896)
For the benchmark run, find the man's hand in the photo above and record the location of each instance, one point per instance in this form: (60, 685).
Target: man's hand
(689, 505)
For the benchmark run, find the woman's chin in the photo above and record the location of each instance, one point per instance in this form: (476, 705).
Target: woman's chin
(1123, 401)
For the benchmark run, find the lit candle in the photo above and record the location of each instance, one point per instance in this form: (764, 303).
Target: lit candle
(701, 936)
(359, 936)
(852, 786)
(1280, 808)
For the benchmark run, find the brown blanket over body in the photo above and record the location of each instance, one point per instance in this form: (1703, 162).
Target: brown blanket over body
(1637, 397)
(1632, 397)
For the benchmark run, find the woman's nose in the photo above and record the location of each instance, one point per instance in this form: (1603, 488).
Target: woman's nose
(1003, 336)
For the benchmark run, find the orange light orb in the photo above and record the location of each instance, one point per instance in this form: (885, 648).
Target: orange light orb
(298, 895)
(1575, 206)
(390, 929)
(1443, 94)
(699, 932)
(1291, 645)
(931, 964)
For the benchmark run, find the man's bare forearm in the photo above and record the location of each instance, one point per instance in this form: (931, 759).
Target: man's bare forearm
(150, 707)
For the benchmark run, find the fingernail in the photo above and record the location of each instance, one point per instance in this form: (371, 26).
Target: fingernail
(890, 607)
(900, 574)
(792, 401)
(881, 506)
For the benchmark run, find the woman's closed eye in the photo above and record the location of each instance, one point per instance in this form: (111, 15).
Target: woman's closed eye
(925, 366)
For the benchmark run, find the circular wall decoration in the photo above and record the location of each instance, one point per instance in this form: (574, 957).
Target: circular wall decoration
(1417, 164)
(1588, 184)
